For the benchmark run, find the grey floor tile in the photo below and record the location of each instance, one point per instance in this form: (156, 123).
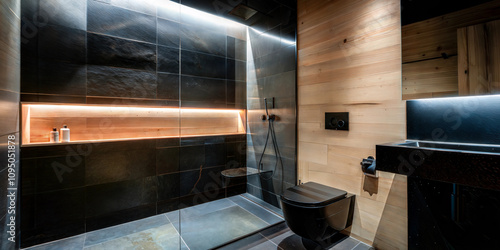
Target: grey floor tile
(277, 233)
(363, 246)
(265, 245)
(291, 242)
(347, 243)
(72, 243)
(200, 210)
(247, 243)
(218, 227)
(110, 233)
(257, 210)
(163, 237)
(263, 203)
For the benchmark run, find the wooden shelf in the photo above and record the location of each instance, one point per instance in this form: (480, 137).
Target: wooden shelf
(97, 123)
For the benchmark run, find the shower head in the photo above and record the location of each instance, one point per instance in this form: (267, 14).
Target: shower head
(242, 11)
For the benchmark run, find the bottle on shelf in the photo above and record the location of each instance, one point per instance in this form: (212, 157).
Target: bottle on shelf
(65, 134)
(54, 135)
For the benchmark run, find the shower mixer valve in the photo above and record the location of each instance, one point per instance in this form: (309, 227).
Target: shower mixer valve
(270, 117)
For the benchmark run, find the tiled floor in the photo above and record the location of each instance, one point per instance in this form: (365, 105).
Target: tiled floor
(202, 227)
(280, 237)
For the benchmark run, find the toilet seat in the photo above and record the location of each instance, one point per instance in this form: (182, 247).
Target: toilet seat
(312, 194)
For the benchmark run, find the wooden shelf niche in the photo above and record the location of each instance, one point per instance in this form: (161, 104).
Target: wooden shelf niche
(90, 123)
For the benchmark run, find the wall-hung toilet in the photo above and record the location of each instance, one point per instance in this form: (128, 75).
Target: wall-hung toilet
(317, 212)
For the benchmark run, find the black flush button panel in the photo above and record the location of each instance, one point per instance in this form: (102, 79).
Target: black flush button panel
(337, 121)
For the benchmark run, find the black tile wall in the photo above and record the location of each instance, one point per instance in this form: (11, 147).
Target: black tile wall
(67, 13)
(167, 160)
(115, 21)
(195, 64)
(62, 44)
(117, 52)
(168, 33)
(206, 92)
(61, 78)
(168, 86)
(123, 50)
(199, 39)
(116, 196)
(168, 59)
(120, 82)
(105, 184)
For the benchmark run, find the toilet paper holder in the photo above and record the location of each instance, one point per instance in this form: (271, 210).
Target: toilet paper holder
(368, 166)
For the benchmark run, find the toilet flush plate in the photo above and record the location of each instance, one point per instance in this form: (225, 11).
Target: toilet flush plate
(337, 120)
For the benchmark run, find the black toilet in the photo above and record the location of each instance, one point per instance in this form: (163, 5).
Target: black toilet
(317, 212)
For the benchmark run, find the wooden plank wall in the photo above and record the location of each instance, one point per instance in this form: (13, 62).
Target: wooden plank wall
(349, 59)
(426, 72)
(479, 59)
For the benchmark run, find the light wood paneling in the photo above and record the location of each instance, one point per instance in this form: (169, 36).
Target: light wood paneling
(430, 48)
(349, 60)
(479, 59)
(435, 77)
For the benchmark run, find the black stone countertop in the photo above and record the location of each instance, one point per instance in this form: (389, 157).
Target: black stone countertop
(475, 169)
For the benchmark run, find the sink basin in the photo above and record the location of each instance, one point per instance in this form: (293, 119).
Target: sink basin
(468, 164)
(463, 147)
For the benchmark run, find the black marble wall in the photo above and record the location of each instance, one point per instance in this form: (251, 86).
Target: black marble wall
(272, 73)
(72, 189)
(130, 52)
(10, 55)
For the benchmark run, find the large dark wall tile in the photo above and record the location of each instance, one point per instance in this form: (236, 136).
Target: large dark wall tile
(112, 162)
(199, 39)
(57, 215)
(168, 33)
(168, 59)
(192, 182)
(119, 217)
(168, 186)
(236, 70)
(112, 51)
(192, 157)
(215, 155)
(110, 20)
(68, 13)
(62, 44)
(167, 160)
(202, 92)
(112, 197)
(199, 64)
(147, 7)
(59, 173)
(168, 86)
(119, 82)
(62, 78)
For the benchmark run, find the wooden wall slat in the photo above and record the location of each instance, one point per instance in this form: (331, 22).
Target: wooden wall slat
(349, 60)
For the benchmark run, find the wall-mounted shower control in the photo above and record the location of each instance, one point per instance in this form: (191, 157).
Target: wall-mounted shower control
(337, 121)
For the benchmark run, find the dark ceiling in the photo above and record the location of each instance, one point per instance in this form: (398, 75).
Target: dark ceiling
(418, 10)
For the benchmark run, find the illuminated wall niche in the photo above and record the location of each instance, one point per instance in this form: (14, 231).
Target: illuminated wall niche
(97, 123)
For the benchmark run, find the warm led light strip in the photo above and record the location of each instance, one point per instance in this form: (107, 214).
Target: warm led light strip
(178, 122)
